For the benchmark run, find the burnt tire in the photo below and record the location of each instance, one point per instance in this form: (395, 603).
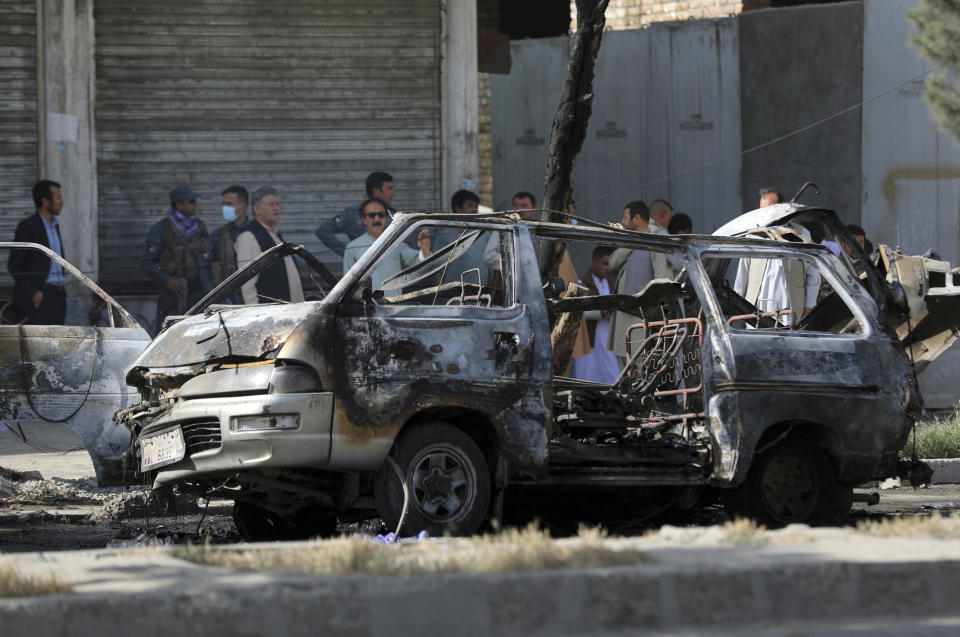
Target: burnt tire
(792, 482)
(448, 480)
(256, 524)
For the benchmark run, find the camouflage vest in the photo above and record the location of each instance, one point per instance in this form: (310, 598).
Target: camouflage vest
(182, 258)
(227, 264)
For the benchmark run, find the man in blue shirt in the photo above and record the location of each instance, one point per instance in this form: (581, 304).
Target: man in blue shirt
(379, 186)
(374, 218)
(38, 280)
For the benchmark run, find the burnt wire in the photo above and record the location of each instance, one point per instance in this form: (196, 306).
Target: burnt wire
(26, 383)
(406, 495)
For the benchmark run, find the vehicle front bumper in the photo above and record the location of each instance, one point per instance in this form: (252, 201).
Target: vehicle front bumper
(201, 418)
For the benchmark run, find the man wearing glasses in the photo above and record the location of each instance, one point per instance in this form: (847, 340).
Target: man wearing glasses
(174, 254)
(374, 217)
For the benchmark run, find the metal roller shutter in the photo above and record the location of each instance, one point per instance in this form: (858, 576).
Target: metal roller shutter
(308, 96)
(18, 115)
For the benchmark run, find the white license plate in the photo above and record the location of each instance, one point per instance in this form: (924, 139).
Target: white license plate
(162, 449)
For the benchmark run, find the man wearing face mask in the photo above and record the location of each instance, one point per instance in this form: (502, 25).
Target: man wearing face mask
(173, 255)
(221, 259)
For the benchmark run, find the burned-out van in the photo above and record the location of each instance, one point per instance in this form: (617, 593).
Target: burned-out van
(429, 393)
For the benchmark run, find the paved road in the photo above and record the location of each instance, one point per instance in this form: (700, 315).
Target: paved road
(66, 524)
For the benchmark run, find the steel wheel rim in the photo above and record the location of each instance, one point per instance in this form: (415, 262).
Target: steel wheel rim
(442, 484)
(788, 488)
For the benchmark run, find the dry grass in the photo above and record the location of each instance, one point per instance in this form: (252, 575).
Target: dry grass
(744, 532)
(529, 549)
(13, 584)
(937, 527)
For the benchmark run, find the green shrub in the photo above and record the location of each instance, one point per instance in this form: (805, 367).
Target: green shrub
(937, 439)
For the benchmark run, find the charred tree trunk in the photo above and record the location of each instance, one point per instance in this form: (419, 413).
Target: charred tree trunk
(570, 123)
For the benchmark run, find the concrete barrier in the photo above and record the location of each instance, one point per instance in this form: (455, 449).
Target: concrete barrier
(803, 575)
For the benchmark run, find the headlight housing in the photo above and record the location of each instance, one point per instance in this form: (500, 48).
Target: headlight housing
(293, 379)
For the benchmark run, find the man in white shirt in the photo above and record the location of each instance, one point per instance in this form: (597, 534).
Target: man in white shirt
(281, 281)
(778, 284)
(524, 203)
(600, 365)
(373, 215)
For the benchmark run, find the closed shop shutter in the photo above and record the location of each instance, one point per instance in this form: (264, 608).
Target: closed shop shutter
(18, 115)
(308, 96)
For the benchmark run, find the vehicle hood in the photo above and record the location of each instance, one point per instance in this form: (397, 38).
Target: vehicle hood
(236, 334)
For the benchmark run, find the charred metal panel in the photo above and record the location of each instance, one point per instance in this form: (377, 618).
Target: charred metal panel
(245, 332)
(391, 362)
(72, 375)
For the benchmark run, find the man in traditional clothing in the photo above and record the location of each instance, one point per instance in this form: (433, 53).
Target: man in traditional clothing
(600, 364)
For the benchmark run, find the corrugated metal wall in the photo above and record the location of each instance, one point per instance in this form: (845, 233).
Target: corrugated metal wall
(306, 95)
(18, 115)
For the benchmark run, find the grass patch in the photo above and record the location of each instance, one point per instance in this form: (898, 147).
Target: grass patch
(512, 550)
(938, 439)
(744, 532)
(14, 584)
(938, 527)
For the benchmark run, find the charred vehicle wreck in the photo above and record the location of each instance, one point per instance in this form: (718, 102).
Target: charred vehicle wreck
(70, 375)
(426, 396)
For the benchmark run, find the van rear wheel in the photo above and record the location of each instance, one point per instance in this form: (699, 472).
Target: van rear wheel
(447, 478)
(792, 482)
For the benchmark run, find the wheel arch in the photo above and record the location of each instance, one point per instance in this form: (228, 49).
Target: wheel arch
(824, 437)
(473, 422)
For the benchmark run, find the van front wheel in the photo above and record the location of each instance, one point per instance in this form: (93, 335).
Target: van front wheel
(447, 478)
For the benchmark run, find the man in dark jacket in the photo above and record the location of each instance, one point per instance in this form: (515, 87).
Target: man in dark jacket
(174, 255)
(39, 280)
(281, 281)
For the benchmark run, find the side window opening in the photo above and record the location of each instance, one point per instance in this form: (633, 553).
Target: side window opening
(451, 266)
(779, 294)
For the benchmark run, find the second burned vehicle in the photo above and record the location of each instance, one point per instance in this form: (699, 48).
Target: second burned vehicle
(432, 396)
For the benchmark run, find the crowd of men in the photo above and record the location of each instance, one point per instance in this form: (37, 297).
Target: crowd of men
(185, 261)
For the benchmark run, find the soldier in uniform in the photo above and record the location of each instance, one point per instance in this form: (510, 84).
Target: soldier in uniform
(174, 255)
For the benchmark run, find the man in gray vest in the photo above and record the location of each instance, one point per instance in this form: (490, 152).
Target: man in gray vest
(174, 255)
(281, 281)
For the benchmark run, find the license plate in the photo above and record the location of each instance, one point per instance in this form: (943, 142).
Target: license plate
(161, 449)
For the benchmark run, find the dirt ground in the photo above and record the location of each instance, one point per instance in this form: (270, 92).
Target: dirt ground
(59, 507)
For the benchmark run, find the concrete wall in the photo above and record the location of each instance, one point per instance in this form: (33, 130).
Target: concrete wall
(798, 66)
(911, 171)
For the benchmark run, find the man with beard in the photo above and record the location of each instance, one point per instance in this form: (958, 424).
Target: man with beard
(373, 214)
(174, 255)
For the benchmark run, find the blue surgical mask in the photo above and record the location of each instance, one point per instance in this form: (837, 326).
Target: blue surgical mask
(229, 213)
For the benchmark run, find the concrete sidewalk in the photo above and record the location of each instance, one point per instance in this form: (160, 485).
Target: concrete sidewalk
(811, 580)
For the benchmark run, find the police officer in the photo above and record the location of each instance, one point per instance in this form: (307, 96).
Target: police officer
(174, 254)
(379, 186)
